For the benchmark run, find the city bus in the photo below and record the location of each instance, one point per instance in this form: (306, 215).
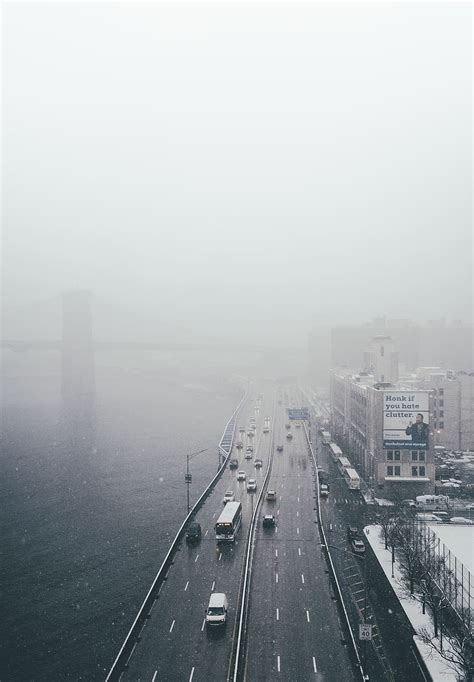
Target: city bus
(352, 479)
(432, 503)
(229, 522)
(336, 451)
(326, 436)
(343, 464)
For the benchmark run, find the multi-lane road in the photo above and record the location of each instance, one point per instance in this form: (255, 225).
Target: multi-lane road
(293, 631)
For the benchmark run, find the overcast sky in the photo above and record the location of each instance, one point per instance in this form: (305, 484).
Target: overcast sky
(240, 165)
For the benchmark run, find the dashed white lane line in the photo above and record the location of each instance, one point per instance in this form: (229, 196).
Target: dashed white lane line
(206, 533)
(302, 578)
(154, 676)
(278, 663)
(276, 552)
(191, 676)
(299, 551)
(276, 577)
(203, 624)
(213, 586)
(280, 498)
(220, 556)
(314, 665)
(186, 586)
(278, 512)
(297, 513)
(172, 626)
(297, 531)
(278, 614)
(307, 616)
(298, 499)
(197, 557)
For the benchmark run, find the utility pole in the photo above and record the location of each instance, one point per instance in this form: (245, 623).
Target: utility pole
(188, 476)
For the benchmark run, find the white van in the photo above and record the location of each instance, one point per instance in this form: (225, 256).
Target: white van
(216, 612)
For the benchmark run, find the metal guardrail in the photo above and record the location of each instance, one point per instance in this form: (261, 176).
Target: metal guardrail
(330, 562)
(242, 609)
(133, 637)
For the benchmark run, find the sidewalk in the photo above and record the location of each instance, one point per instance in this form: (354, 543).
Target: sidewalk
(437, 667)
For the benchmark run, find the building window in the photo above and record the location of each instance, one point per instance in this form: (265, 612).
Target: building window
(389, 471)
(414, 456)
(441, 403)
(441, 425)
(441, 414)
(397, 455)
(390, 455)
(434, 414)
(397, 471)
(422, 471)
(414, 471)
(422, 456)
(441, 391)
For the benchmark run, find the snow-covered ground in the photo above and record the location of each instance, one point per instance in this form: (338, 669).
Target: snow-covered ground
(438, 668)
(459, 539)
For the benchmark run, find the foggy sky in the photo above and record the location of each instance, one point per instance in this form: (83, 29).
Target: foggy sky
(231, 166)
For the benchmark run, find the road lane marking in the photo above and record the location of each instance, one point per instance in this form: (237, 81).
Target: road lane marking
(280, 498)
(278, 512)
(154, 676)
(307, 616)
(314, 665)
(197, 557)
(276, 552)
(299, 551)
(213, 586)
(191, 676)
(276, 577)
(206, 533)
(278, 614)
(297, 531)
(203, 624)
(297, 513)
(298, 499)
(172, 626)
(186, 586)
(302, 578)
(220, 556)
(278, 663)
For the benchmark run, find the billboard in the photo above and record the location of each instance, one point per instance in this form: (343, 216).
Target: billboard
(406, 420)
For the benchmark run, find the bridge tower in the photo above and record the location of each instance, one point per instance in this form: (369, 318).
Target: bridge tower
(77, 351)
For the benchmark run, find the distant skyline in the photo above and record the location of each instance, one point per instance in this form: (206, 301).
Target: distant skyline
(253, 170)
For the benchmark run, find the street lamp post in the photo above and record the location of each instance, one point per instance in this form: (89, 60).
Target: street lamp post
(188, 477)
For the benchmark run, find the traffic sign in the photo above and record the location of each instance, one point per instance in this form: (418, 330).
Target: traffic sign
(365, 631)
(301, 413)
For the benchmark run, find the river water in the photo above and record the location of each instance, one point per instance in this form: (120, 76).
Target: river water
(90, 503)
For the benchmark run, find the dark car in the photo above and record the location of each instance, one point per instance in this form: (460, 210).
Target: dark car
(233, 464)
(353, 533)
(268, 521)
(193, 533)
(279, 448)
(258, 463)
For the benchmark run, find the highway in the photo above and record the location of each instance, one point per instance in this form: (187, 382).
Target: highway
(391, 655)
(175, 644)
(294, 631)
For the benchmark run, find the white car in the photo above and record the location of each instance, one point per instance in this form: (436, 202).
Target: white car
(248, 455)
(241, 475)
(251, 485)
(229, 497)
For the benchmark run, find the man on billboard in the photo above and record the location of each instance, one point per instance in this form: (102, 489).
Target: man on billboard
(419, 431)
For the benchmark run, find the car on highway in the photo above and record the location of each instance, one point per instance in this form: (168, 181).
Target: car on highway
(239, 445)
(193, 532)
(268, 521)
(251, 485)
(324, 490)
(216, 612)
(241, 475)
(229, 496)
(358, 547)
(289, 435)
(353, 533)
(271, 495)
(233, 464)
(461, 520)
(250, 434)
(287, 427)
(248, 454)
(279, 448)
(258, 463)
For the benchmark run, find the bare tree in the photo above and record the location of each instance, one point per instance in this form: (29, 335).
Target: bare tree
(457, 651)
